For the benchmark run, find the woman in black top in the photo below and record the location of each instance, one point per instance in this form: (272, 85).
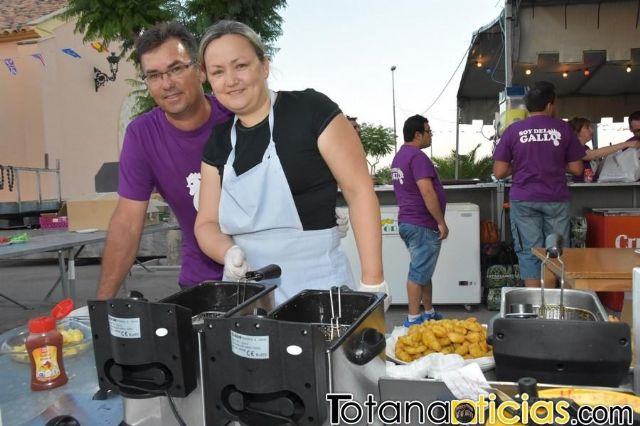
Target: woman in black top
(269, 176)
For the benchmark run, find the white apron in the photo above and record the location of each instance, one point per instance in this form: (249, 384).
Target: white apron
(257, 210)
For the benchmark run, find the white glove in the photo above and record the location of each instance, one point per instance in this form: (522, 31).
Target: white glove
(235, 263)
(383, 287)
(342, 220)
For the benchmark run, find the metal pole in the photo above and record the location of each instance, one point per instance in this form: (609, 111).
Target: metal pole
(59, 181)
(508, 53)
(16, 174)
(457, 157)
(393, 94)
(39, 189)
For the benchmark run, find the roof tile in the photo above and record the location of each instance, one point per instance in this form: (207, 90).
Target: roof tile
(15, 14)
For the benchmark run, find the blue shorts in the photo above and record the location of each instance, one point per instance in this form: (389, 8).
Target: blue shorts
(531, 223)
(424, 249)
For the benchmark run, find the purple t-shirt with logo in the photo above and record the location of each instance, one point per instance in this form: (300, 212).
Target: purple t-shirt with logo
(155, 154)
(539, 149)
(409, 166)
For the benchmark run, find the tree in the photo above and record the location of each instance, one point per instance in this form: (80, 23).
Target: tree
(468, 167)
(377, 142)
(124, 20)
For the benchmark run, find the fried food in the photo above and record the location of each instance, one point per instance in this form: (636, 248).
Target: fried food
(467, 338)
(71, 344)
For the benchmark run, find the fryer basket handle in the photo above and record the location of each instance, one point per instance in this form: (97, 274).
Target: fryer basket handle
(266, 273)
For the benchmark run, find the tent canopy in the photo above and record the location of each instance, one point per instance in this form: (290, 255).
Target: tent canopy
(582, 47)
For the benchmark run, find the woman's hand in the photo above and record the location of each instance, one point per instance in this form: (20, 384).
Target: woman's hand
(235, 264)
(383, 287)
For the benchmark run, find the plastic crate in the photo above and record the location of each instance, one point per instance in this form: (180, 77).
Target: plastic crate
(53, 221)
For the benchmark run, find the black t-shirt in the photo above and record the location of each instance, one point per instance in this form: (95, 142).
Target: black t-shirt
(299, 119)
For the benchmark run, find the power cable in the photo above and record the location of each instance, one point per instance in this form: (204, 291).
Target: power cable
(450, 78)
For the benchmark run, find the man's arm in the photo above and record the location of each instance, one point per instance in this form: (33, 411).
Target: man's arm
(123, 239)
(430, 198)
(501, 169)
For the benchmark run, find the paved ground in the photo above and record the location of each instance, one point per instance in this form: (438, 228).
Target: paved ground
(28, 281)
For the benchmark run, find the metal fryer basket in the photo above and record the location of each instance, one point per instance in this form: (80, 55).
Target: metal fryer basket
(199, 318)
(572, 314)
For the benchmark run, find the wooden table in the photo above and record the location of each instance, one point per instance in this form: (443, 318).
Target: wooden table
(598, 269)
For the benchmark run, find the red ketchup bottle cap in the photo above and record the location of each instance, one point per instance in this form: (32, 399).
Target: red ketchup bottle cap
(41, 324)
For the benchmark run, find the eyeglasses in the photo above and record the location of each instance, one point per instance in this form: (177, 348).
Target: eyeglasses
(173, 72)
(635, 131)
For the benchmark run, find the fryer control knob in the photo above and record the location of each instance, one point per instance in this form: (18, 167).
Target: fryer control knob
(236, 401)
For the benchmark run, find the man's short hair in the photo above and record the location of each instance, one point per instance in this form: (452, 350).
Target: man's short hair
(412, 125)
(634, 116)
(158, 34)
(541, 94)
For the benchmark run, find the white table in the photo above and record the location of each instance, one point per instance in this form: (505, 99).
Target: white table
(68, 245)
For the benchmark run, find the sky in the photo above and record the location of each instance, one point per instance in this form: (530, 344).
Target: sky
(346, 48)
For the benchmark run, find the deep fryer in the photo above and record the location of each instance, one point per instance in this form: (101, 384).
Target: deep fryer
(563, 337)
(277, 369)
(150, 352)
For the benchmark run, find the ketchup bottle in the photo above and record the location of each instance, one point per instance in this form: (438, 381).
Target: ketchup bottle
(44, 346)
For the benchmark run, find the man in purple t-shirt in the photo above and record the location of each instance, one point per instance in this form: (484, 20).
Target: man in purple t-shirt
(537, 152)
(163, 149)
(421, 203)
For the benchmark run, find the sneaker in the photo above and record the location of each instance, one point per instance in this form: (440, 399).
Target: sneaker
(428, 316)
(416, 321)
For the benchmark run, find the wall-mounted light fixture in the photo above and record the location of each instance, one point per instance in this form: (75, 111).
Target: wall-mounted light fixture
(565, 74)
(479, 64)
(628, 68)
(101, 78)
(528, 71)
(586, 72)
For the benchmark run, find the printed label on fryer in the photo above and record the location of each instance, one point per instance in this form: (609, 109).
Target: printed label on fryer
(254, 347)
(126, 328)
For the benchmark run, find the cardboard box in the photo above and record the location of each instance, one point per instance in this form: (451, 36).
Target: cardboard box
(94, 211)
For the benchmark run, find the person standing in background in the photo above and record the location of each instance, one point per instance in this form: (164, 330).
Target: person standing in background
(584, 130)
(634, 124)
(422, 204)
(162, 149)
(537, 151)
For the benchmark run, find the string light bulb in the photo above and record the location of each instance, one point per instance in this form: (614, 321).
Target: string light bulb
(479, 64)
(565, 74)
(628, 68)
(586, 72)
(528, 71)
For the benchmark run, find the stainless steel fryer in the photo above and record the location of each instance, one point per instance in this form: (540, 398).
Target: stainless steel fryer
(558, 335)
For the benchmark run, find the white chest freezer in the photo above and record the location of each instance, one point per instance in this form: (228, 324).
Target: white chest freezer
(457, 276)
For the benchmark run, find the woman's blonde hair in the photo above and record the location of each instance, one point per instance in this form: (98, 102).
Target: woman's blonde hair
(225, 27)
